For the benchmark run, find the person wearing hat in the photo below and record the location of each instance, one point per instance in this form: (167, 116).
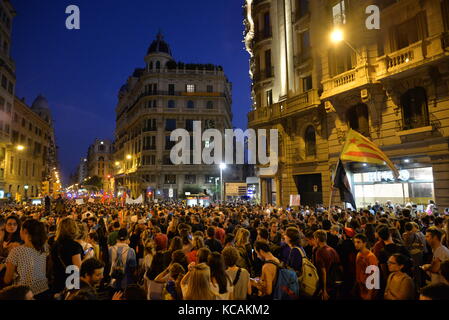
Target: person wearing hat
(123, 261)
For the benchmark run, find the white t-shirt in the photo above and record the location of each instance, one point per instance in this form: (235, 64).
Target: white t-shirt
(223, 296)
(441, 253)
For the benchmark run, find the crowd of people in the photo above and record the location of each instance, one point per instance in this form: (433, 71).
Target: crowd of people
(170, 251)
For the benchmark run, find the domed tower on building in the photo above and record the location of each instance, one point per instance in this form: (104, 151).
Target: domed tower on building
(158, 54)
(41, 107)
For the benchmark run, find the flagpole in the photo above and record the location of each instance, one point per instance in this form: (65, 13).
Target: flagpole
(332, 182)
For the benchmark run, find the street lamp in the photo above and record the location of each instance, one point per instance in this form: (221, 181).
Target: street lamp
(338, 36)
(129, 157)
(117, 163)
(222, 167)
(20, 147)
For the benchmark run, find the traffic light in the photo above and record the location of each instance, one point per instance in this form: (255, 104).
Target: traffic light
(45, 187)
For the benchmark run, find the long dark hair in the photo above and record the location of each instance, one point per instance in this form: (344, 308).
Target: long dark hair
(37, 232)
(217, 271)
(13, 237)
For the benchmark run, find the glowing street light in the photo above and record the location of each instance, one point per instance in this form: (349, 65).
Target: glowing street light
(337, 36)
(117, 163)
(129, 157)
(20, 147)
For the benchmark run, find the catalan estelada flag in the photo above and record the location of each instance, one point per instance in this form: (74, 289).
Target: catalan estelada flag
(360, 149)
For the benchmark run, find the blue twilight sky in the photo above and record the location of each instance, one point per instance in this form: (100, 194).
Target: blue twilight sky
(81, 71)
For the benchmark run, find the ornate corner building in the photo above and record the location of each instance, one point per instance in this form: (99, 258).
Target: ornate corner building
(390, 84)
(28, 152)
(164, 96)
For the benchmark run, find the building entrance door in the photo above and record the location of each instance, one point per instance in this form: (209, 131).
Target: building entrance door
(309, 188)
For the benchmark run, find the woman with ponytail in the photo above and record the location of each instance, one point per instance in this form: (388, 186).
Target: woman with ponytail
(26, 264)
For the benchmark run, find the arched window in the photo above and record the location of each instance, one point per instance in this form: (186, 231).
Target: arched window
(190, 104)
(171, 103)
(358, 119)
(101, 158)
(415, 112)
(310, 140)
(210, 105)
(158, 64)
(150, 66)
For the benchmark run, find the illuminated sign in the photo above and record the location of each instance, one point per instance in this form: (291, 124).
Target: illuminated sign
(381, 176)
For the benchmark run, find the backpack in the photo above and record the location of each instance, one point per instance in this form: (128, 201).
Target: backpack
(309, 278)
(286, 286)
(118, 269)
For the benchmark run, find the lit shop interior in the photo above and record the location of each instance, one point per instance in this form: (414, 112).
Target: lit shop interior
(371, 183)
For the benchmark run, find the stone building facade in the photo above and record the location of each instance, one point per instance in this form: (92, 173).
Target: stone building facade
(157, 99)
(390, 84)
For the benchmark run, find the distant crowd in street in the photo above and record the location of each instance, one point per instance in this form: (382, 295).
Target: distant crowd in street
(230, 251)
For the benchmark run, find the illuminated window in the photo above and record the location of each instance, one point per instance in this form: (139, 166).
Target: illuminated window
(339, 13)
(190, 88)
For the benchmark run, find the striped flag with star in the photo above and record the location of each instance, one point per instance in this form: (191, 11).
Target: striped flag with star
(360, 149)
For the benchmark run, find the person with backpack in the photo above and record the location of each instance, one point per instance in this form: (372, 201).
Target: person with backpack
(239, 276)
(298, 261)
(123, 262)
(327, 262)
(276, 283)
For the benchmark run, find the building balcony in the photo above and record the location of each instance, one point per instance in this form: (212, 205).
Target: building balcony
(415, 55)
(264, 75)
(302, 60)
(345, 81)
(262, 35)
(275, 112)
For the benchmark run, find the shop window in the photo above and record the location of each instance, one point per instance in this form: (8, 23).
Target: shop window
(414, 108)
(310, 140)
(358, 119)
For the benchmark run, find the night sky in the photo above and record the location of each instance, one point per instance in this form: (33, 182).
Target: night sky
(81, 71)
